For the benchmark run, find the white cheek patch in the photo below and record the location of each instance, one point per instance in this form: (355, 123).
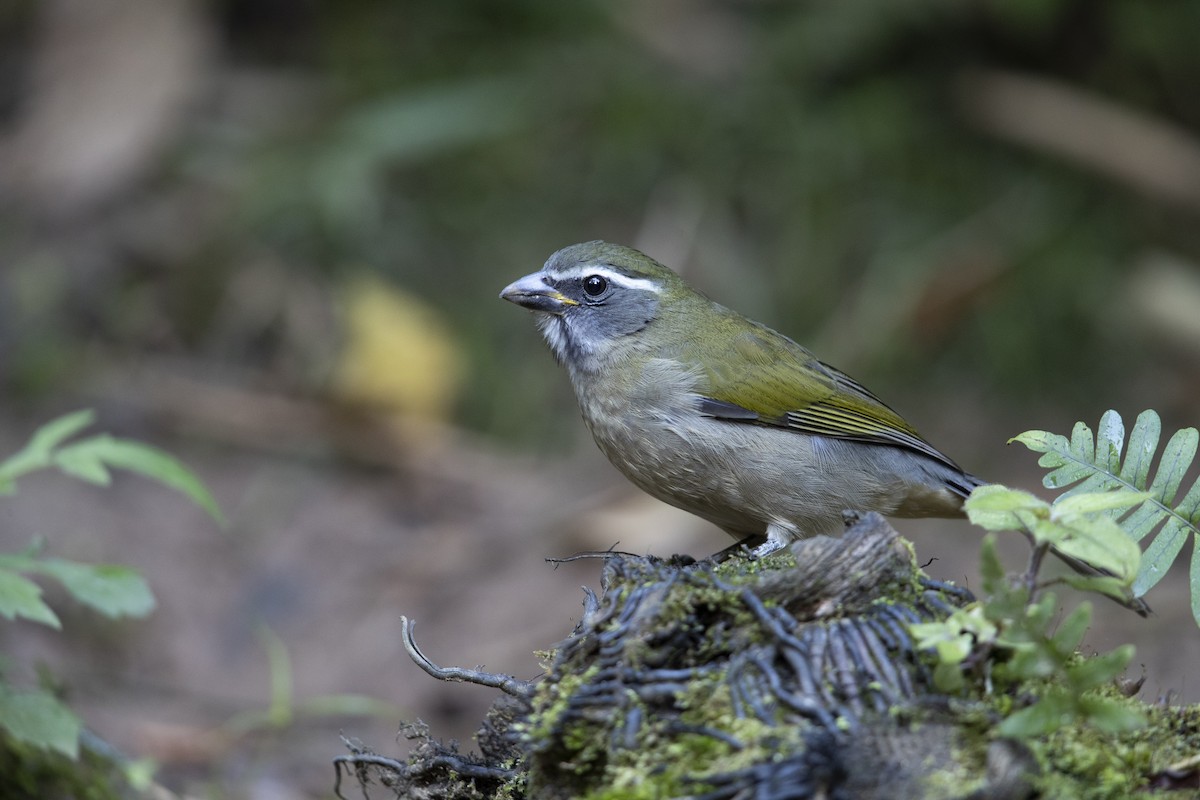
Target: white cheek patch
(612, 276)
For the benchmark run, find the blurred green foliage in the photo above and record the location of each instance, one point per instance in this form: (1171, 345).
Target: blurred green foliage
(815, 165)
(36, 716)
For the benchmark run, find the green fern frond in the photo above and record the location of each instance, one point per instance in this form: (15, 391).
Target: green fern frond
(1104, 461)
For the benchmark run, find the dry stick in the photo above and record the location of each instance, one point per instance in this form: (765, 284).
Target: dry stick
(505, 683)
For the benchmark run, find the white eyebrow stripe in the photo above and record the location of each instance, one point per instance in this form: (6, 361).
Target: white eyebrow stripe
(612, 276)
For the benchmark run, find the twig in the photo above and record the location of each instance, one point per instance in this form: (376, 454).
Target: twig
(355, 763)
(505, 683)
(1035, 564)
(610, 553)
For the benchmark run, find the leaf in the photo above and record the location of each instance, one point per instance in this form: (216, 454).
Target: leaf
(1043, 442)
(1047, 532)
(1006, 601)
(54, 433)
(1031, 662)
(1110, 439)
(930, 634)
(21, 597)
(1099, 670)
(1176, 458)
(1100, 543)
(1142, 445)
(954, 650)
(37, 453)
(1070, 632)
(1139, 522)
(39, 719)
(948, 677)
(398, 353)
(143, 459)
(1194, 579)
(89, 460)
(139, 772)
(1159, 557)
(1045, 716)
(998, 508)
(114, 591)
(1096, 502)
(991, 569)
(1043, 611)
(81, 461)
(1110, 716)
(1098, 464)
(1104, 584)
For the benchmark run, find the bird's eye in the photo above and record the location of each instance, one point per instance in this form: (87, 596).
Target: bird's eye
(594, 285)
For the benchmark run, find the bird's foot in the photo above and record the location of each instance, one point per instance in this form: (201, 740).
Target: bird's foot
(778, 537)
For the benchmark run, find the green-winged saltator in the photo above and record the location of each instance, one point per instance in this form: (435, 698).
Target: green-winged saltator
(722, 416)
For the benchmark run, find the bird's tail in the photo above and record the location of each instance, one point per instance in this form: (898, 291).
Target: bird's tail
(963, 483)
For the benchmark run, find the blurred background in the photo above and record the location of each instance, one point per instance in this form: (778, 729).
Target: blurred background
(268, 237)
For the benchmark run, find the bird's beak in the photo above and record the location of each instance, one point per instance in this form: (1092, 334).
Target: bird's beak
(535, 294)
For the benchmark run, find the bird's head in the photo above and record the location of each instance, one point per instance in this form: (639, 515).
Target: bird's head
(596, 298)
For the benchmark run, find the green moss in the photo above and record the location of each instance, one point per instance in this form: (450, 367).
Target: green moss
(706, 700)
(707, 614)
(745, 571)
(550, 703)
(1082, 761)
(1092, 765)
(668, 764)
(692, 621)
(667, 760)
(950, 781)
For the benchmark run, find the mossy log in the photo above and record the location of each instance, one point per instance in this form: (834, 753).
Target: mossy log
(792, 676)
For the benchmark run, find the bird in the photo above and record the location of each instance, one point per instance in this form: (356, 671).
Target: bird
(726, 418)
(720, 415)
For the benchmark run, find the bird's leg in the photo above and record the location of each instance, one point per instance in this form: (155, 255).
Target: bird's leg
(778, 538)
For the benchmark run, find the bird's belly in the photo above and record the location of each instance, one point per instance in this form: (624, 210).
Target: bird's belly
(744, 478)
(740, 477)
(697, 478)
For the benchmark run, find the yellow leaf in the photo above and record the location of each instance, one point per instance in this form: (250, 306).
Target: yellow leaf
(400, 355)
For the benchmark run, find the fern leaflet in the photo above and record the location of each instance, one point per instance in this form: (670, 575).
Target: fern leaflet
(1103, 461)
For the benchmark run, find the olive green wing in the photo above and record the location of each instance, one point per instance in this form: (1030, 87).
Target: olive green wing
(762, 377)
